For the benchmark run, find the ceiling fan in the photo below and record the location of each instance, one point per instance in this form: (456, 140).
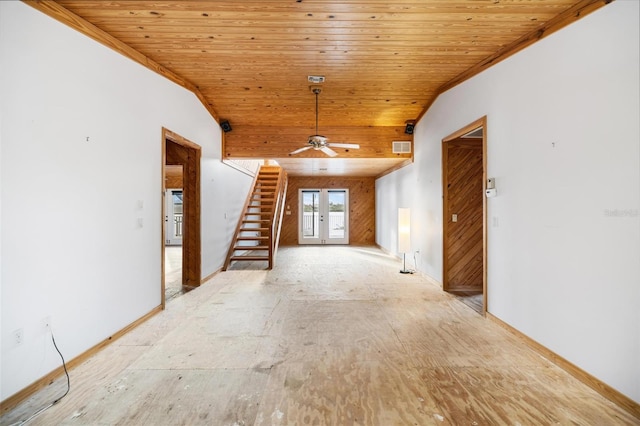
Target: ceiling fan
(319, 142)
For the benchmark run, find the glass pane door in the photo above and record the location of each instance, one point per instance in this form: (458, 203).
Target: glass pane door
(310, 216)
(337, 223)
(323, 216)
(173, 219)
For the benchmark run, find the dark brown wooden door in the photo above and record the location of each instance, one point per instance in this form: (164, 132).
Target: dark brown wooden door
(463, 215)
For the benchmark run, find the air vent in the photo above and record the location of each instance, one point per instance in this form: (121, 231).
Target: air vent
(315, 79)
(402, 147)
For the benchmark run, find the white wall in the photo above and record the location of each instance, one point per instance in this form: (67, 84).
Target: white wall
(70, 242)
(564, 260)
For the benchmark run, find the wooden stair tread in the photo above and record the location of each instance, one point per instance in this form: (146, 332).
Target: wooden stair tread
(248, 258)
(262, 237)
(251, 248)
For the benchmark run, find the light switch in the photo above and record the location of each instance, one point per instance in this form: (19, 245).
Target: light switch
(454, 218)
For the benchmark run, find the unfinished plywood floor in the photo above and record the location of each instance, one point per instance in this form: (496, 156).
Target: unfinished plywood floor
(172, 272)
(330, 336)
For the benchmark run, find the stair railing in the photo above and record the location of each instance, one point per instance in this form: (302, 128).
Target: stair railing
(278, 211)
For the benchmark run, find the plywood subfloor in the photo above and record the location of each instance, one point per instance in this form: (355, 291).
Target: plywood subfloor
(330, 336)
(172, 272)
(472, 299)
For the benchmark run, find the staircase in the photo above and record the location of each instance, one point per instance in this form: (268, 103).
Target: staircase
(258, 231)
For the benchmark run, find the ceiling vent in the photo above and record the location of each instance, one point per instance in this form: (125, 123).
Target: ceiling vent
(402, 147)
(315, 79)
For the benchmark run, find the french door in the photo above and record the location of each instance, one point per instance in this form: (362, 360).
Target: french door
(173, 218)
(324, 216)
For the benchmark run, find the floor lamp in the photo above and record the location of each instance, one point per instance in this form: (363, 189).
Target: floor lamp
(404, 236)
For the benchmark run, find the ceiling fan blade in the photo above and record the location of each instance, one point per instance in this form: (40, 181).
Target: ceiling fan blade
(344, 145)
(299, 150)
(328, 151)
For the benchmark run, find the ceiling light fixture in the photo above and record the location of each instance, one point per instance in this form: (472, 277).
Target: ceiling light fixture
(315, 79)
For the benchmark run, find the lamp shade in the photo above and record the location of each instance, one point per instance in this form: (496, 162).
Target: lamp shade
(404, 230)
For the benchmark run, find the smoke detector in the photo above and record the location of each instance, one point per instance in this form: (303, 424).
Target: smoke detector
(315, 79)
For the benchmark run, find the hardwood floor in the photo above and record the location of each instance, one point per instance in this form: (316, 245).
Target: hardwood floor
(330, 336)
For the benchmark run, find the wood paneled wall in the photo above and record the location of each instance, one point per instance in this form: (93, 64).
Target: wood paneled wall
(362, 204)
(173, 177)
(276, 142)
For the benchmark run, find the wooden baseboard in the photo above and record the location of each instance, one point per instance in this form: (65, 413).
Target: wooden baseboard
(15, 399)
(208, 277)
(602, 388)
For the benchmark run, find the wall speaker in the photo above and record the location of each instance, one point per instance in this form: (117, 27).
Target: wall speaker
(226, 127)
(408, 129)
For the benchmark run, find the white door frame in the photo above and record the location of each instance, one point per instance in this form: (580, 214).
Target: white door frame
(323, 222)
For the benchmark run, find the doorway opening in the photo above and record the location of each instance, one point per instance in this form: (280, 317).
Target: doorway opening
(464, 215)
(323, 216)
(181, 263)
(174, 225)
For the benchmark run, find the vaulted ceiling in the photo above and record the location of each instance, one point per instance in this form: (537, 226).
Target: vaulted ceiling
(384, 63)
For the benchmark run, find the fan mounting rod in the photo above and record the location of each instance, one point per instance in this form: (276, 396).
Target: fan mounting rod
(316, 90)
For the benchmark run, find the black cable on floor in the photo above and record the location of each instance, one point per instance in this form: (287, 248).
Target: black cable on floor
(40, 411)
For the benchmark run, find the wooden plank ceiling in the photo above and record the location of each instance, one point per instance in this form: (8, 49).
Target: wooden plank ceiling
(384, 63)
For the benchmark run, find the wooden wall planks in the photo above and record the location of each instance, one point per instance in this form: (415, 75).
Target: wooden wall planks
(361, 207)
(274, 142)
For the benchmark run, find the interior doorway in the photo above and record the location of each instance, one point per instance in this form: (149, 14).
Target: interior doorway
(464, 215)
(323, 216)
(174, 225)
(180, 212)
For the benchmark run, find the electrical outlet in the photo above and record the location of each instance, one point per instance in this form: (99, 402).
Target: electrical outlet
(18, 336)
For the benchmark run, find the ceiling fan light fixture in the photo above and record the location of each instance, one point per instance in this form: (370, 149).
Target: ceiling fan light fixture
(319, 142)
